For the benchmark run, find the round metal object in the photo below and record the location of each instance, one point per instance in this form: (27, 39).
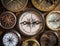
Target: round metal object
(48, 38)
(11, 38)
(30, 42)
(7, 20)
(14, 5)
(31, 22)
(45, 5)
(53, 20)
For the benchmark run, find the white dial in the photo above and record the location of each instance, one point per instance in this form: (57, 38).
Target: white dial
(10, 39)
(30, 23)
(53, 20)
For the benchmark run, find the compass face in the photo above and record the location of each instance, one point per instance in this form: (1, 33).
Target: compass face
(14, 5)
(30, 23)
(53, 20)
(8, 20)
(30, 42)
(10, 39)
(48, 39)
(45, 5)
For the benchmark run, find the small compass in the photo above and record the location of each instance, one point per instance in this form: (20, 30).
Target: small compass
(45, 5)
(31, 22)
(30, 42)
(14, 5)
(7, 20)
(11, 38)
(48, 38)
(53, 20)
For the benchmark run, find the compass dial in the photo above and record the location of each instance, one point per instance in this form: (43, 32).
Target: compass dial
(30, 42)
(45, 5)
(53, 20)
(30, 22)
(7, 20)
(11, 39)
(48, 38)
(14, 5)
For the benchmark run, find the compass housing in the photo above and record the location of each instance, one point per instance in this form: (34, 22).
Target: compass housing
(48, 38)
(11, 38)
(30, 26)
(30, 42)
(53, 20)
(7, 20)
(45, 5)
(14, 5)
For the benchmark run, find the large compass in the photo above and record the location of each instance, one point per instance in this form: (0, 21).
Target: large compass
(45, 5)
(14, 5)
(11, 38)
(53, 20)
(31, 22)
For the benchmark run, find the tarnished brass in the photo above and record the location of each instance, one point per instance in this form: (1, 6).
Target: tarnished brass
(45, 5)
(14, 5)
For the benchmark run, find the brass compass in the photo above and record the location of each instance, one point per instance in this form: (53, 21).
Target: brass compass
(14, 5)
(48, 38)
(45, 5)
(30, 42)
(53, 20)
(7, 20)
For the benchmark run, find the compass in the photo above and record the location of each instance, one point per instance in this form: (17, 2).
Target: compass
(45, 5)
(31, 22)
(30, 42)
(48, 38)
(14, 5)
(7, 20)
(53, 20)
(11, 38)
